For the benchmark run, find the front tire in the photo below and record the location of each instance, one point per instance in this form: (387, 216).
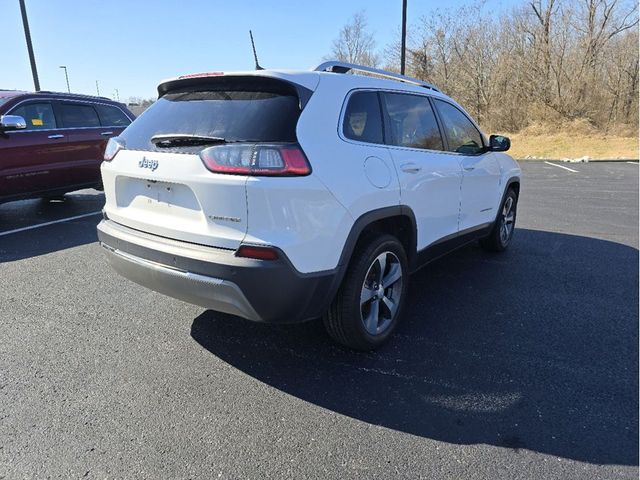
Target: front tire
(369, 303)
(502, 231)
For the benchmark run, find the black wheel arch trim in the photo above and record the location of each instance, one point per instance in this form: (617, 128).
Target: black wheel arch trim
(509, 183)
(368, 219)
(361, 223)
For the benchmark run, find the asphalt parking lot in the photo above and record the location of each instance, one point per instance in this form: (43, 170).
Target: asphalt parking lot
(519, 365)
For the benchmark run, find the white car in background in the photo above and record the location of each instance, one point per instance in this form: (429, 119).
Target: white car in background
(286, 196)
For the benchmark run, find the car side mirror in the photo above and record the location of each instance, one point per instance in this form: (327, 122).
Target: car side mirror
(12, 122)
(499, 143)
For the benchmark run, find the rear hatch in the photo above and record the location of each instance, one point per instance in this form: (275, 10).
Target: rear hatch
(159, 184)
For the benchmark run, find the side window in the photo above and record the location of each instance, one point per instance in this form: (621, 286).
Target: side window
(463, 136)
(74, 115)
(39, 116)
(111, 116)
(362, 120)
(413, 123)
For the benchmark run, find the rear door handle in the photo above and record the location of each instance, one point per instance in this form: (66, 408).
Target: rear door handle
(410, 168)
(106, 133)
(469, 169)
(52, 137)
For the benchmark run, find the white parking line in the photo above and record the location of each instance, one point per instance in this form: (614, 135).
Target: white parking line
(9, 232)
(562, 166)
(634, 163)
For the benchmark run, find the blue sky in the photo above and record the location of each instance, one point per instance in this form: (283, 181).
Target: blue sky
(132, 45)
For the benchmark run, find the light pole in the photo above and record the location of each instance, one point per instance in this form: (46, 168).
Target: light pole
(66, 75)
(97, 88)
(27, 34)
(117, 94)
(404, 36)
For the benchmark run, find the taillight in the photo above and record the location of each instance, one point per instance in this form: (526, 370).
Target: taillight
(259, 253)
(114, 145)
(282, 160)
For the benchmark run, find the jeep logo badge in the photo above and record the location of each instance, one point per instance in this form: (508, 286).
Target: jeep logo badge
(147, 163)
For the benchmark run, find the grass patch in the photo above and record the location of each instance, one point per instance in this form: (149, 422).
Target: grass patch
(573, 141)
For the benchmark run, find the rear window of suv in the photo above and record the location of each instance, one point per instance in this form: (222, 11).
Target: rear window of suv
(78, 115)
(112, 116)
(237, 114)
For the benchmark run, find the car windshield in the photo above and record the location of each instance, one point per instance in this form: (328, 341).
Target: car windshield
(229, 114)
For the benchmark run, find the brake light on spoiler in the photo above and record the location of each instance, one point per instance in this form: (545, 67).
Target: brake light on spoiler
(199, 75)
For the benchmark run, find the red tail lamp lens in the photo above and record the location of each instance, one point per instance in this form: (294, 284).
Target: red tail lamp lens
(274, 160)
(259, 253)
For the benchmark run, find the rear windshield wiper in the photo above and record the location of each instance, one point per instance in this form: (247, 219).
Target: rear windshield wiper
(167, 140)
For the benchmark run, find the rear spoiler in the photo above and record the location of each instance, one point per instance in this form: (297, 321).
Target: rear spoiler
(220, 81)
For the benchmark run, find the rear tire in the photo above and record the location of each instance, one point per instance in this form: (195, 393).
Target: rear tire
(502, 232)
(369, 302)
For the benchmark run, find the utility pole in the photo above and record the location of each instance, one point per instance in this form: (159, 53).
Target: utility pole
(27, 34)
(404, 36)
(66, 75)
(117, 94)
(97, 88)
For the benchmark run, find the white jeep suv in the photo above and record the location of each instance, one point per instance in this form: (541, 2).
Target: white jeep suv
(285, 196)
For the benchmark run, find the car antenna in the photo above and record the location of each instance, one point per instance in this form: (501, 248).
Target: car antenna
(255, 55)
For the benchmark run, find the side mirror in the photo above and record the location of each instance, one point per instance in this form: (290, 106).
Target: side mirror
(499, 143)
(12, 122)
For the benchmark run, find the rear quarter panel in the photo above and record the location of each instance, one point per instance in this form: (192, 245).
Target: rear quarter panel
(300, 216)
(339, 165)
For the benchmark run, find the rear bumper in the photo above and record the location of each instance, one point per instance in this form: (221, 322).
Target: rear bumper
(263, 291)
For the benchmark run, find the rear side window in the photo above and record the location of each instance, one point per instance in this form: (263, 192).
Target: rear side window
(77, 115)
(362, 119)
(38, 116)
(237, 113)
(463, 136)
(413, 123)
(112, 116)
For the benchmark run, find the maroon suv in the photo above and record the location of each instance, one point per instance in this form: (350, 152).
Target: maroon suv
(52, 143)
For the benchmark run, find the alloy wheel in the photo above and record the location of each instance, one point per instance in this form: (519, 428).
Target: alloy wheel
(380, 295)
(507, 220)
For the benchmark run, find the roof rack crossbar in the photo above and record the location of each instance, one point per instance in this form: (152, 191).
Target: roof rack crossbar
(343, 67)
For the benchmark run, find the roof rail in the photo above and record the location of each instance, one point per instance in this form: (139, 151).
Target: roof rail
(343, 67)
(69, 94)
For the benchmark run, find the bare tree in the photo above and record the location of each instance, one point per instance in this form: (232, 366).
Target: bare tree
(355, 44)
(599, 22)
(546, 61)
